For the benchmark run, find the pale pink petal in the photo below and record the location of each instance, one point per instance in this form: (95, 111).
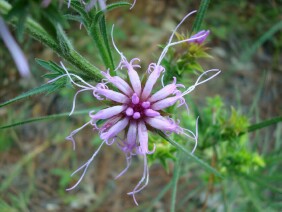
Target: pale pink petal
(151, 81)
(108, 113)
(165, 103)
(113, 95)
(135, 81)
(143, 137)
(122, 86)
(165, 91)
(108, 124)
(132, 133)
(133, 75)
(119, 83)
(162, 123)
(114, 130)
(151, 113)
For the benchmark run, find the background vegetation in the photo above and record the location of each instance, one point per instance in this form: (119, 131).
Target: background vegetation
(235, 137)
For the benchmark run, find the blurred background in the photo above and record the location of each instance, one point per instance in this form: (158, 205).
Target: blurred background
(245, 43)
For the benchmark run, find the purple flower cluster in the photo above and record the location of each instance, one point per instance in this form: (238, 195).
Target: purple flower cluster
(135, 109)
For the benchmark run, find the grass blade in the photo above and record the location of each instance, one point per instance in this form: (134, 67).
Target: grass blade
(176, 173)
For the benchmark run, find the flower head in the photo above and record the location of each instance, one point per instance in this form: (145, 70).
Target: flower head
(136, 109)
(201, 37)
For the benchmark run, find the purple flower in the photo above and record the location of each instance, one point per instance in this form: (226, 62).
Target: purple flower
(14, 49)
(135, 109)
(201, 37)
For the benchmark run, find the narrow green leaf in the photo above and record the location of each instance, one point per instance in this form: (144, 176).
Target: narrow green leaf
(263, 124)
(85, 16)
(103, 29)
(95, 32)
(43, 118)
(74, 18)
(51, 66)
(54, 15)
(21, 26)
(190, 155)
(98, 32)
(200, 15)
(38, 90)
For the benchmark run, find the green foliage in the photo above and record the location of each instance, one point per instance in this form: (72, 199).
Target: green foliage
(185, 59)
(189, 155)
(164, 151)
(224, 129)
(226, 161)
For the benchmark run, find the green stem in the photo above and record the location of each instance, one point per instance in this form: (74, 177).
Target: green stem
(190, 155)
(38, 33)
(176, 173)
(200, 15)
